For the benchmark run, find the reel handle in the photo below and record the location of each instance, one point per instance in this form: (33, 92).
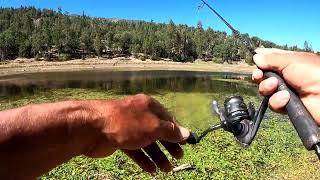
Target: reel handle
(193, 139)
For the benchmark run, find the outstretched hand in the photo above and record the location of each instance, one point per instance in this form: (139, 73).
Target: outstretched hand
(300, 70)
(134, 125)
(37, 138)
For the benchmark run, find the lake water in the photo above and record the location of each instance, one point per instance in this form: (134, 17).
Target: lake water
(187, 94)
(126, 82)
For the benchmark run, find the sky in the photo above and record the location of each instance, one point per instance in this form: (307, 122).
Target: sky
(289, 22)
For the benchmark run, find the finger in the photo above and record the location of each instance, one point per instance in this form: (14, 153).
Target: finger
(101, 149)
(158, 157)
(173, 148)
(257, 75)
(271, 51)
(275, 61)
(139, 157)
(268, 86)
(171, 132)
(279, 100)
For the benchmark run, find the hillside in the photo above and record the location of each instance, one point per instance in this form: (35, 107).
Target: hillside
(28, 32)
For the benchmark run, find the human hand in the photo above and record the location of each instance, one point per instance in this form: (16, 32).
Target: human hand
(300, 70)
(134, 124)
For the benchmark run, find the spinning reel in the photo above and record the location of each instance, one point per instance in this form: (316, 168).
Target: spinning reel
(237, 118)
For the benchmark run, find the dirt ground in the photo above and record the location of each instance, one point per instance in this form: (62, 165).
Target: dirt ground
(20, 66)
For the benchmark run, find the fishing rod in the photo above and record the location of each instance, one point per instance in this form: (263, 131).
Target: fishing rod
(244, 121)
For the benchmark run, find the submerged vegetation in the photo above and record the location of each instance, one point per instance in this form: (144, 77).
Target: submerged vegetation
(50, 35)
(277, 152)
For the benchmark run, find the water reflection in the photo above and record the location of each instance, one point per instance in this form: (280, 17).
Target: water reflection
(124, 82)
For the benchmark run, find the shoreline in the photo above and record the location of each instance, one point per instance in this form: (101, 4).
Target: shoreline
(23, 66)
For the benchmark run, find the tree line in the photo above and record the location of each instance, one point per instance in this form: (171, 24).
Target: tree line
(42, 33)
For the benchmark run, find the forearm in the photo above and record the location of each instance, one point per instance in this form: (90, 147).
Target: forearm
(36, 138)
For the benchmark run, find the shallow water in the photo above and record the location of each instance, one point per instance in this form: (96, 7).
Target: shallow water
(125, 82)
(188, 95)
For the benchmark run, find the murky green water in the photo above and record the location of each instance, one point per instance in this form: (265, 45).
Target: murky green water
(196, 89)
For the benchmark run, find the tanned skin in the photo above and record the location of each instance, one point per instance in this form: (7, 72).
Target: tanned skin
(36, 138)
(301, 70)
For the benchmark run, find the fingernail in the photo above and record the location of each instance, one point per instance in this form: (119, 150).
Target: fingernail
(271, 82)
(184, 132)
(284, 96)
(255, 74)
(258, 59)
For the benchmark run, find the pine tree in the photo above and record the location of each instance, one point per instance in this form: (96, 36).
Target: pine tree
(28, 32)
(307, 46)
(98, 45)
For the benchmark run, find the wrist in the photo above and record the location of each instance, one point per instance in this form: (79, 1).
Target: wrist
(86, 122)
(101, 114)
(71, 125)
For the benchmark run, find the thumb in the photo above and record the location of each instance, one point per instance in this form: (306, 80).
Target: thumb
(171, 132)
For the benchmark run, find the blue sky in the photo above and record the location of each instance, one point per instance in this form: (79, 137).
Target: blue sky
(282, 21)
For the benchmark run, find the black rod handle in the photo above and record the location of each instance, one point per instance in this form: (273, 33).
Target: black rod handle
(300, 117)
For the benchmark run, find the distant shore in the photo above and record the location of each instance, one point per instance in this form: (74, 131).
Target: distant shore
(21, 66)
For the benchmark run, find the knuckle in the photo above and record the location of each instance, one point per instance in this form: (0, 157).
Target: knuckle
(155, 127)
(144, 98)
(140, 101)
(150, 123)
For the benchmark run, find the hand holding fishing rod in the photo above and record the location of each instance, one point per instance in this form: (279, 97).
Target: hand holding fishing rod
(244, 123)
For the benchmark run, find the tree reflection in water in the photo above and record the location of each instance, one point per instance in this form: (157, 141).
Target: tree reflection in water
(126, 82)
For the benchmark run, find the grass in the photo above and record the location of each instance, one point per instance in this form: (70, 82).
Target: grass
(276, 153)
